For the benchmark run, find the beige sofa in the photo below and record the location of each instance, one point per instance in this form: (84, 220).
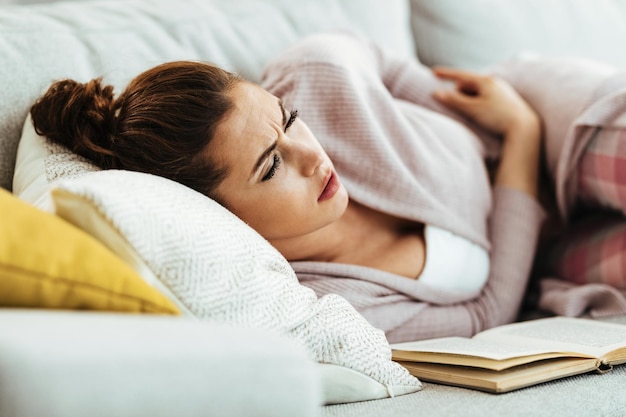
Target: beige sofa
(64, 362)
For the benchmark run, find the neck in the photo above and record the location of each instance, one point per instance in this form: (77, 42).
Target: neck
(330, 243)
(321, 245)
(327, 244)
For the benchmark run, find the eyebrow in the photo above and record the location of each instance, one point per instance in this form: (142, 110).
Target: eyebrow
(283, 112)
(266, 153)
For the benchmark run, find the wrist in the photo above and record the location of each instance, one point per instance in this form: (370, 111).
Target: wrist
(519, 161)
(526, 124)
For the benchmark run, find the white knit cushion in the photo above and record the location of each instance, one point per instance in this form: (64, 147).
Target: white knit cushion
(219, 269)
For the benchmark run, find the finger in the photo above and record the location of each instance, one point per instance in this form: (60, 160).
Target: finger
(466, 81)
(454, 99)
(454, 74)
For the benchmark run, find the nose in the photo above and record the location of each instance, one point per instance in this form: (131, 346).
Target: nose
(308, 157)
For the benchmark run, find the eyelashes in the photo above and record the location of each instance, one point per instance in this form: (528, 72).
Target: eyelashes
(273, 168)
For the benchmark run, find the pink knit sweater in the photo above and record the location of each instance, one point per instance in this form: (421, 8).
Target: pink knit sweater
(400, 152)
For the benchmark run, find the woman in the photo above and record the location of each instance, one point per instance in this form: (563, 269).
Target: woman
(382, 196)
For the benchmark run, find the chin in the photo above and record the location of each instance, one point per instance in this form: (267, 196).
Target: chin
(343, 199)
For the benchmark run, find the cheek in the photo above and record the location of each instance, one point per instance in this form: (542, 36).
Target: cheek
(267, 210)
(281, 212)
(282, 205)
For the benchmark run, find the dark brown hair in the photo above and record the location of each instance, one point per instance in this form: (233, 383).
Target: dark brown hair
(161, 124)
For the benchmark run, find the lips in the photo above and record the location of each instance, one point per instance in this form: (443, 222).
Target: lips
(331, 187)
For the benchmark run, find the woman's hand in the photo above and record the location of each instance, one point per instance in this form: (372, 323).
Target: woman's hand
(496, 106)
(488, 100)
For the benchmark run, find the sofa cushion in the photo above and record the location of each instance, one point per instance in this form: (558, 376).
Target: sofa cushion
(63, 364)
(475, 33)
(46, 262)
(117, 40)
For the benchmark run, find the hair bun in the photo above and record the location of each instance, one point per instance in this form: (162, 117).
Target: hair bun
(80, 117)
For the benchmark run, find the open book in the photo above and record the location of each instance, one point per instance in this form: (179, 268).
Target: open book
(517, 355)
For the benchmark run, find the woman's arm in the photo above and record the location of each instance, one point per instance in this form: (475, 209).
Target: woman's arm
(516, 217)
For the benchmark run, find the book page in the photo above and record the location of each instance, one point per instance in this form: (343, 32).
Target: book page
(469, 347)
(580, 335)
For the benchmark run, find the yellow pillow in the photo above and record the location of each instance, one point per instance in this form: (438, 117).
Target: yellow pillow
(46, 262)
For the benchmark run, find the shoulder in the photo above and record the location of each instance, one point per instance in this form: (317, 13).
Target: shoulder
(335, 49)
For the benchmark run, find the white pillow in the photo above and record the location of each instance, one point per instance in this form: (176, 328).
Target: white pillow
(39, 163)
(219, 269)
(475, 33)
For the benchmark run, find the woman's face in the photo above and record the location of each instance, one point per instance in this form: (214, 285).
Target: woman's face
(280, 181)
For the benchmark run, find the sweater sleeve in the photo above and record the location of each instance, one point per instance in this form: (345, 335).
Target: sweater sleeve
(514, 230)
(410, 80)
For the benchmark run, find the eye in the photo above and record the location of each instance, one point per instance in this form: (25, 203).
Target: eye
(293, 114)
(272, 171)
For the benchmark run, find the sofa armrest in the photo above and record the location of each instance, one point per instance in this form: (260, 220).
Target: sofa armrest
(80, 364)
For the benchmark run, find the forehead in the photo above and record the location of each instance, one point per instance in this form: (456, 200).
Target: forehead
(248, 128)
(253, 110)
